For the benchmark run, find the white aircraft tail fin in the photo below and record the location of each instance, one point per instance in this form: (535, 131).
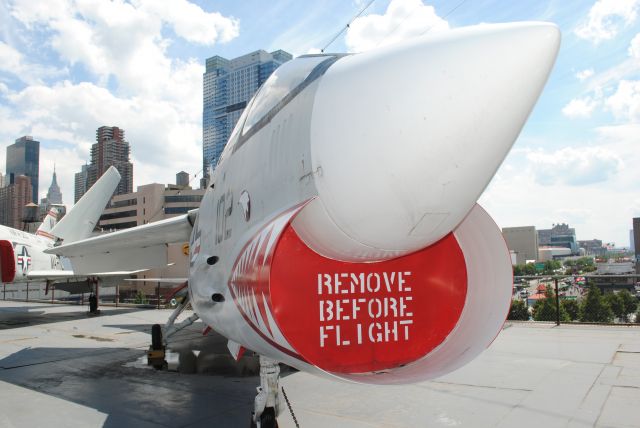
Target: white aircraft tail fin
(80, 221)
(48, 223)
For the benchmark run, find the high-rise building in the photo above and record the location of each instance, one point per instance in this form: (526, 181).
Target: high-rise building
(80, 183)
(593, 247)
(523, 241)
(23, 158)
(182, 179)
(110, 149)
(227, 87)
(560, 235)
(13, 200)
(632, 245)
(54, 195)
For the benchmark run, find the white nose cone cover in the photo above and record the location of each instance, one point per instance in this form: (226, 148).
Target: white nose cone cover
(408, 137)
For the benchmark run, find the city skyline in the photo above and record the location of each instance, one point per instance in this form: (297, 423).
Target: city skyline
(65, 70)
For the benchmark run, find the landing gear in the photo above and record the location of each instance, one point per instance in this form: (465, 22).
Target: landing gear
(157, 351)
(93, 304)
(93, 298)
(266, 406)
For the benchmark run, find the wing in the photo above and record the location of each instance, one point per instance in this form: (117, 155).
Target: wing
(141, 247)
(69, 274)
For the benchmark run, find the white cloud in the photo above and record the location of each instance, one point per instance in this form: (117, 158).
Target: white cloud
(625, 102)
(574, 166)
(605, 19)
(601, 209)
(157, 99)
(580, 108)
(190, 22)
(634, 47)
(628, 133)
(13, 62)
(584, 74)
(402, 20)
(163, 139)
(10, 59)
(125, 40)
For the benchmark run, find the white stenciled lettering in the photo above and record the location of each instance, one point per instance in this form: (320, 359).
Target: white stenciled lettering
(406, 324)
(390, 329)
(402, 281)
(403, 306)
(324, 280)
(377, 336)
(373, 280)
(364, 308)
(326, 310)
(357, 283)
(324, 335)
(388, 280)
(375, 308)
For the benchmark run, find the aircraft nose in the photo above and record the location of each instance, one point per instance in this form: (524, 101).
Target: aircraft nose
(407, 137)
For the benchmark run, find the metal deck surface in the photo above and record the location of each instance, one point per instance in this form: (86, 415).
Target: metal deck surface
(60, 368)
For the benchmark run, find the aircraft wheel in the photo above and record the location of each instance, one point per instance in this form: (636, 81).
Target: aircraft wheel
(156, 354)
(267, 419)
(156, 337)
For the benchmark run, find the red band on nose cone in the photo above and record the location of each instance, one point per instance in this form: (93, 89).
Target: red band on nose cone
(364, 317)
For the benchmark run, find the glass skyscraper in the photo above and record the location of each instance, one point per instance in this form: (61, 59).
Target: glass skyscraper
(227, 87)
(23, 158)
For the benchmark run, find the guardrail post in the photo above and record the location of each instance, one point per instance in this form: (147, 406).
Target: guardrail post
(117, 294)
(158, 294)
(27, 291)
(557, 303)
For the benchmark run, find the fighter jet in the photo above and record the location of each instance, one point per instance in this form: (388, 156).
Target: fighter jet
(22, 255)
(340, 233)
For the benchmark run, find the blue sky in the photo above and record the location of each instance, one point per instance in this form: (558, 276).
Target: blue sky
(70, 66)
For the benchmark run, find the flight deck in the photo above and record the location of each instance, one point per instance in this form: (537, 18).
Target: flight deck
(59, 367)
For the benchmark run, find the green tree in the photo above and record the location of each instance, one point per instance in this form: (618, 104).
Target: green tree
(546, 310)
(518, 311)
(550, 266)
(629, 303)
(530, 269)
(572, 308)
(617, 307)
(140, 298)
(583, 262)
(518, 270)
(594, 308)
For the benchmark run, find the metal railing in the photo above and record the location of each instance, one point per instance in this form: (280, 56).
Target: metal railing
(118, 295)
(590, 298)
